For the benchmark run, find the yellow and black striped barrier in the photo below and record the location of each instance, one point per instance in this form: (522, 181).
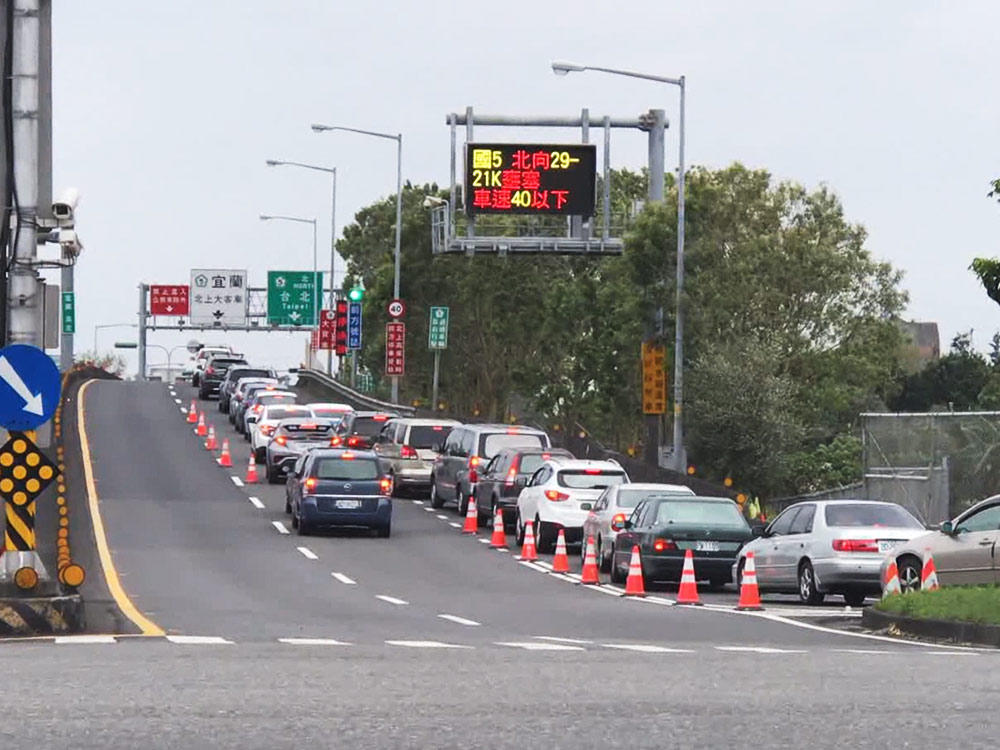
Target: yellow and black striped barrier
(41, 616)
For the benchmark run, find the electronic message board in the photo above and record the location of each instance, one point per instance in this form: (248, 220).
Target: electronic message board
(530, 178)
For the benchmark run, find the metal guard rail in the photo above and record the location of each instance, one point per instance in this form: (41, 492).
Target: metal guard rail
(353, 397)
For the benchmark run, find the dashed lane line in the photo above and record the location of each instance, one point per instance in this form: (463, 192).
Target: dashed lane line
(759, 650)
(391, 599)
(460, 620)
(418, 502)
(429, 509)
(237, 481)
(67, 640)
(344, 579)
(177, 401)
(646, 648)
(442, 516)
(199, 640)
(307, 553)
(255, 502)
(313, 642)
(535, 646)
(426, 644)
(560, 639)
(455, 524)
(484, 541)
(280, 527)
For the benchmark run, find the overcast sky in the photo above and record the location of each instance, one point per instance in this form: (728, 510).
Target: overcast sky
(166, 111)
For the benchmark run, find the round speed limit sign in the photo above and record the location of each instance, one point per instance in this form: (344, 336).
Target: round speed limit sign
(396, 308)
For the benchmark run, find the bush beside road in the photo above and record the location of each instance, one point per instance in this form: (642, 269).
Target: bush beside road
(978, 604)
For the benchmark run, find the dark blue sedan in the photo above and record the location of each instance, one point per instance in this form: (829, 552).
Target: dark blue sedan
(334, 487)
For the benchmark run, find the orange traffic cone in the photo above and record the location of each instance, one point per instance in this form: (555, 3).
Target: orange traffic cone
(749, 593)
(590, 575)
(528, 551)
(210, 444)
(928, 576)
(251, 477)
(225, 459)
(560, 563)
(634, 584)
(891, 583)
(471, 518)
(201, 430)
(192, 416)
(688, 591)
(499, 538)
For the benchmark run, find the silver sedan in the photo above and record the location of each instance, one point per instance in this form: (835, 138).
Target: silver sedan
(611, 509)
(829, 547)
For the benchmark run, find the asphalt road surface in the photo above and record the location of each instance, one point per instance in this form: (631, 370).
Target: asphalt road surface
(256, 637)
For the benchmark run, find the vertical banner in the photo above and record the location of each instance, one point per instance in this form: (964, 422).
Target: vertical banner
(395, 348)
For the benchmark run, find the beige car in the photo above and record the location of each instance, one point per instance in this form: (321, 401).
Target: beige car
(405, 447)
(964, 550)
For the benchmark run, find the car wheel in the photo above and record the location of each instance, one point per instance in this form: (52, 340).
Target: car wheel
(288, 505)
(461, 502)
(260, 454)
(854, 598)
(484, 519)
(616, 575)
(603, 561)
(545, 541)
(910, 570)
(273, 477)
(807, 585)
(739, 572)
(519, 527)
(295, 517)
(436, 500)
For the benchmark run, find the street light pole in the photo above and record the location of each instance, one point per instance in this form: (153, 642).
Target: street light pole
(317, 293)
(679, 458)
(102, 326)
(398, 137)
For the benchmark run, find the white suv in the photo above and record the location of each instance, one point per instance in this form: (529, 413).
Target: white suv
(263, 430)
(560, 495)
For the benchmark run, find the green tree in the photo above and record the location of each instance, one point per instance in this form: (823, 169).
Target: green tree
(955, 381)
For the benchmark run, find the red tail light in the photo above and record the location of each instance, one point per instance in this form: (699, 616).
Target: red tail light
(209, 370)
(385, 485)
(380, 418)
(618, 522)
(281, 440)
(511, 477)
(473, 463)
(556, 495)
(592, 472)
(335, 441)
(662, 544)
(353, 441)
(267, 429)
(407, 451)
(259, 408)
(855, 545)
(310, 484)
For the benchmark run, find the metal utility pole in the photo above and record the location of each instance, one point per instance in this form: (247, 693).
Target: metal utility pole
(24, 297)
(434, 385)
(143, 290)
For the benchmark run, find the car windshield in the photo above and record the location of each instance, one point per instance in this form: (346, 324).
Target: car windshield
(368, 426)
(242, 372)
(306, 431)
(496, 442)
(590, 479)
(227, 363)
(630, 498)
(328, 411)
(346, 469)
(846, 515)
(275, 398)
(695, 513)
(531, 463)
(425, 435)
(283, 412)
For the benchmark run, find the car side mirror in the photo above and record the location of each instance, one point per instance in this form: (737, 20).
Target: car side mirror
(758, 530)
(521, 482)
(948, 528)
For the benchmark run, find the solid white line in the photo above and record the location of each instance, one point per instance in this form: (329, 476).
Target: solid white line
(391, 599)
(308, 553)
(759, 650)
(557, 639)
(865, 651)
(531, 646)
(647, 649)
(455, 525)
(418, 502)
(344, 579)
(546, 565)
(256, 502)
(312, 642)
(425, 644)
(533, 566)
(459, 620)
(237, 481)
(68, 640)
(442, 517)
(610, 590)
(280, 527)
(198, 640)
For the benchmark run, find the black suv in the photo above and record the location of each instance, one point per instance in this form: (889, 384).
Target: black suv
(358, 429)
(466, 452)
(233, 374)
(215, 371)
(505, 476)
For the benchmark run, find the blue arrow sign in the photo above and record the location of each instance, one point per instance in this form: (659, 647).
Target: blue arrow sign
(354, 325)
(29, 387)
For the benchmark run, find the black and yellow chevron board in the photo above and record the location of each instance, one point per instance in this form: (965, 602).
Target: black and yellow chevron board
(19, 536)
(49, 615)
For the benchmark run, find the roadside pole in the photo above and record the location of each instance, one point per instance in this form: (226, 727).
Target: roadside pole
(437, 341)
(434, 387)
(651, 454)
(142, 332)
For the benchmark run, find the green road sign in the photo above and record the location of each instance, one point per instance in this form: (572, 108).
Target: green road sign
(437, 331)
(68, 312)
(291, 297)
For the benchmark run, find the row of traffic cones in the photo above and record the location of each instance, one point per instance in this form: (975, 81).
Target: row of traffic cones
(207, 431)
(928, 577)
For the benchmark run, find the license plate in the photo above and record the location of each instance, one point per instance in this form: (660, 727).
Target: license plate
(586, 506)
(345, 504)
(884, 545)
(707, 546)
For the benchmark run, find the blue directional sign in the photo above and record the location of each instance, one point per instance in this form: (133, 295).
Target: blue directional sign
(30, 387)
(354, 325)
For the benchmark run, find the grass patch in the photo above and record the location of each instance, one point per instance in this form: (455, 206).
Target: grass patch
(979, 604)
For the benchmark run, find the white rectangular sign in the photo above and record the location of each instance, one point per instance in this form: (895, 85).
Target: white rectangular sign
(218, 297)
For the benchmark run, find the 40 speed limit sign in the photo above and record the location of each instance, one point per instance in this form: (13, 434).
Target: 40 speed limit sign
(396, 308)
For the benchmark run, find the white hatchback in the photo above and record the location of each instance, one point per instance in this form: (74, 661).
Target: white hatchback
(560, 495)
(262, 432)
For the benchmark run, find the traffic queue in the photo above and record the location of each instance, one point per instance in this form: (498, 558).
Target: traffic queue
(341, 468)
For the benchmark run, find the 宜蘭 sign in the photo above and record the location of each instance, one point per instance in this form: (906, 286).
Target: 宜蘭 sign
(218, 297)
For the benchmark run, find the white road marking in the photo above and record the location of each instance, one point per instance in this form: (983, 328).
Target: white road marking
(546, 565)
(280, 527)
(949, 653)
(418, 502)
(459, 620)
(558, 639)
(532, 646)
(425, 644)
(308, 553)
(484, 541)
(455, 525)
(442, 516)
(759, 650)
(533, 566)
(198, 640)
(237, 481)
(67, 640)
(647, 649)
(183, 410)
(177, 400)
(865, 651)
(256, 502)
(344, 579)
(610, 590)
(391, 599)
(312, 642)
(430, 510)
